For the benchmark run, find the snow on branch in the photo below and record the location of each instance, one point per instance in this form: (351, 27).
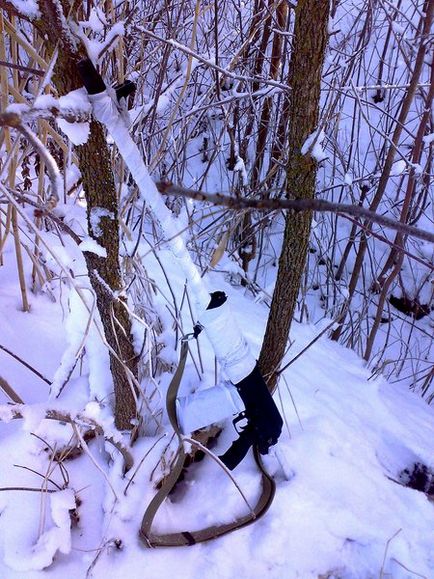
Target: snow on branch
(21, 411)
(12, 119)
(237, 203)
(224, 71)
(28, 9)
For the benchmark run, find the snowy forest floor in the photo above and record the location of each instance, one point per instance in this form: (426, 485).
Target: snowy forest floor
(340, 510)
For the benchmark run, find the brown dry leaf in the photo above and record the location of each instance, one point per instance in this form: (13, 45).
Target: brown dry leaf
(220, 249)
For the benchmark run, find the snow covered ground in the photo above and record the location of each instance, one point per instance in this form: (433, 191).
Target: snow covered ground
(339, 510)
(351, 440)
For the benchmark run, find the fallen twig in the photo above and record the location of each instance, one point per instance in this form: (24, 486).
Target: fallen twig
(28, 366)
(10, 392)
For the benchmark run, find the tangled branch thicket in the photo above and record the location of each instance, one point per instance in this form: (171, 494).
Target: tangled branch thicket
(210, 113)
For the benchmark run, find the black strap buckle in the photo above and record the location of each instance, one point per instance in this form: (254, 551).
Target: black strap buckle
(197, 328)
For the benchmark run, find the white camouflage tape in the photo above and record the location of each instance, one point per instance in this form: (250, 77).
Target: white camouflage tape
(230, 347)
(208, 407)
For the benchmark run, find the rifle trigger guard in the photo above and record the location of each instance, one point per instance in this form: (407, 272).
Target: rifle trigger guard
(240, 417)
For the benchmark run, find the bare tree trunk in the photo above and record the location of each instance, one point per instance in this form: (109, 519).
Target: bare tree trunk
(310, 40)
(105, 273)
(101, 197)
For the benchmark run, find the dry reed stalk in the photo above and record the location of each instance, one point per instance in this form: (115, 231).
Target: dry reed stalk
(11, 180)
(42, 274)
(4, 103)
(12, 85)
(41, 197)
(16, 36)
(119, 51)
(20, 265)
(10, 392)
(7, 229)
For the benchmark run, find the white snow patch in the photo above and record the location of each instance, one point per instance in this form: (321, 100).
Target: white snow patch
(72, 175)
(17, 108)
(96, 214)
(96, 49)
(57, 538)
(75, 101)
(45, 101)
(313, 146)
(398, 29)
(6, 413)
(398, 168)
(33, 416)
(97, 20)
(81, 331)
(417, 168)
(348, 179)
(59, 255)
(93, 410)
(89, 244)
(332, 26)
(240, 167)
(77, 133)
(29, 8)
(426, 249)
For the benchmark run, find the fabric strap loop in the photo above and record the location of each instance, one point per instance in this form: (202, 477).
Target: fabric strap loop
(185, 538)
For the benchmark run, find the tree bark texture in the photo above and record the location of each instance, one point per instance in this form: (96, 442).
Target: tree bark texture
(100, 191)
(105, 273)
(310, 41)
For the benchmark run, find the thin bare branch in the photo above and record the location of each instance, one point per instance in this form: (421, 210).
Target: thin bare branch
(10, 392)
(238, 203)
(26, 364)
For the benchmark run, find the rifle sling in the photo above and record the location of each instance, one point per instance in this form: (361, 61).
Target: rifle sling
(185, 538)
